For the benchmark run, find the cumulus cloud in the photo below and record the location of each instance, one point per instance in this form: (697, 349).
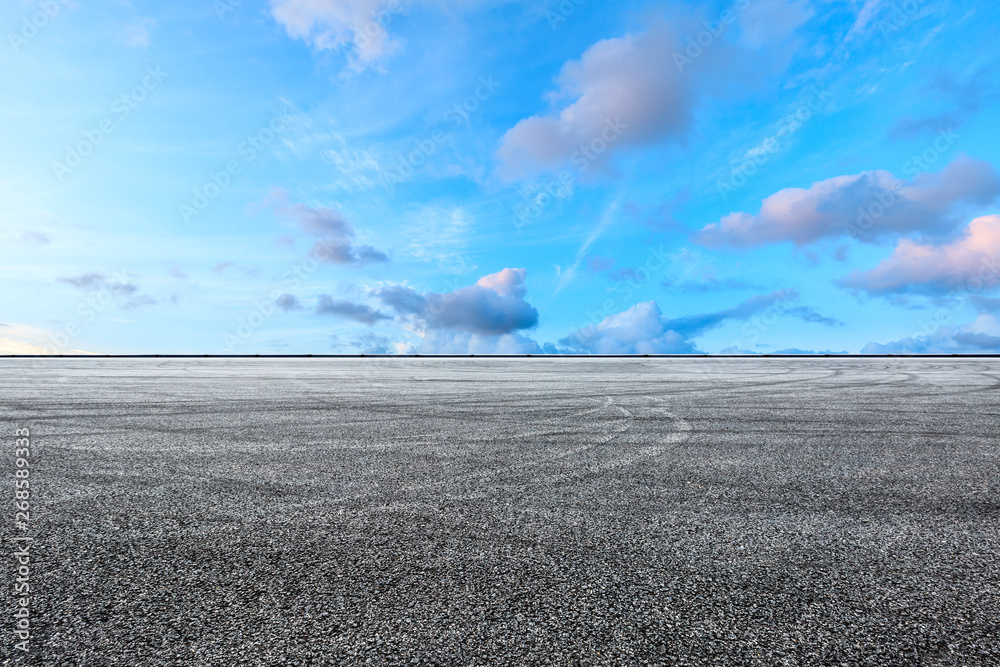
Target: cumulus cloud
(978, 341)
(642, 329)
(945, 340)
(459, 342)
(484, 318)
(971, 262)
(360, 26)
(335, 243)
(869, 206)
(639, 330)
(625, 91)
(494, 306)
(935, 337)
(358, 312)
(641, 89)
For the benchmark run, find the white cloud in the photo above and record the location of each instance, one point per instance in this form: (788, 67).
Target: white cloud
(626, 91)
(642, 329)
(970, 262)
(967, 339)
(641, 89)
(935, 337)
(638, 330)
(484, 318)
(494, 306)
(869, 206)
(360, 26)
(451, 342)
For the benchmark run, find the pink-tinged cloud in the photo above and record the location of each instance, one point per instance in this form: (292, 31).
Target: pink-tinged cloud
(494, 306)
(626, 91)
(869, 206)
(641, 89)
(971, 263)
(509, 282)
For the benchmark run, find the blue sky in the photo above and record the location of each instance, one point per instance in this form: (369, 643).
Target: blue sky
(340, 176)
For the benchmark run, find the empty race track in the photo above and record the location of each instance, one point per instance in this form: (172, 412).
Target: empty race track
(507, 511)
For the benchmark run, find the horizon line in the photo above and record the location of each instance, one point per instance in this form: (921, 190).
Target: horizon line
(501, 356)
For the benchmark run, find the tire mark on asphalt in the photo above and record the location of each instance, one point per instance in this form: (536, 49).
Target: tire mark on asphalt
(495, 473)
(476, 483)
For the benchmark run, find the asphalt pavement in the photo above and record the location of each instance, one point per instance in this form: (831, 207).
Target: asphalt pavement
(505, 511)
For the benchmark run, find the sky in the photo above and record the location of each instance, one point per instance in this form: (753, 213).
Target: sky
(483, 177)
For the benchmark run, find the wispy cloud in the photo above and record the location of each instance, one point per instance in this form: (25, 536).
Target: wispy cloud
(607, 218)
(360, 27)
(642, 329)
(439, 235)
(118, 286)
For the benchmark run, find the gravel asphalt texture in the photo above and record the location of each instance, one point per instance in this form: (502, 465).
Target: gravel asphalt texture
(507, 511)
